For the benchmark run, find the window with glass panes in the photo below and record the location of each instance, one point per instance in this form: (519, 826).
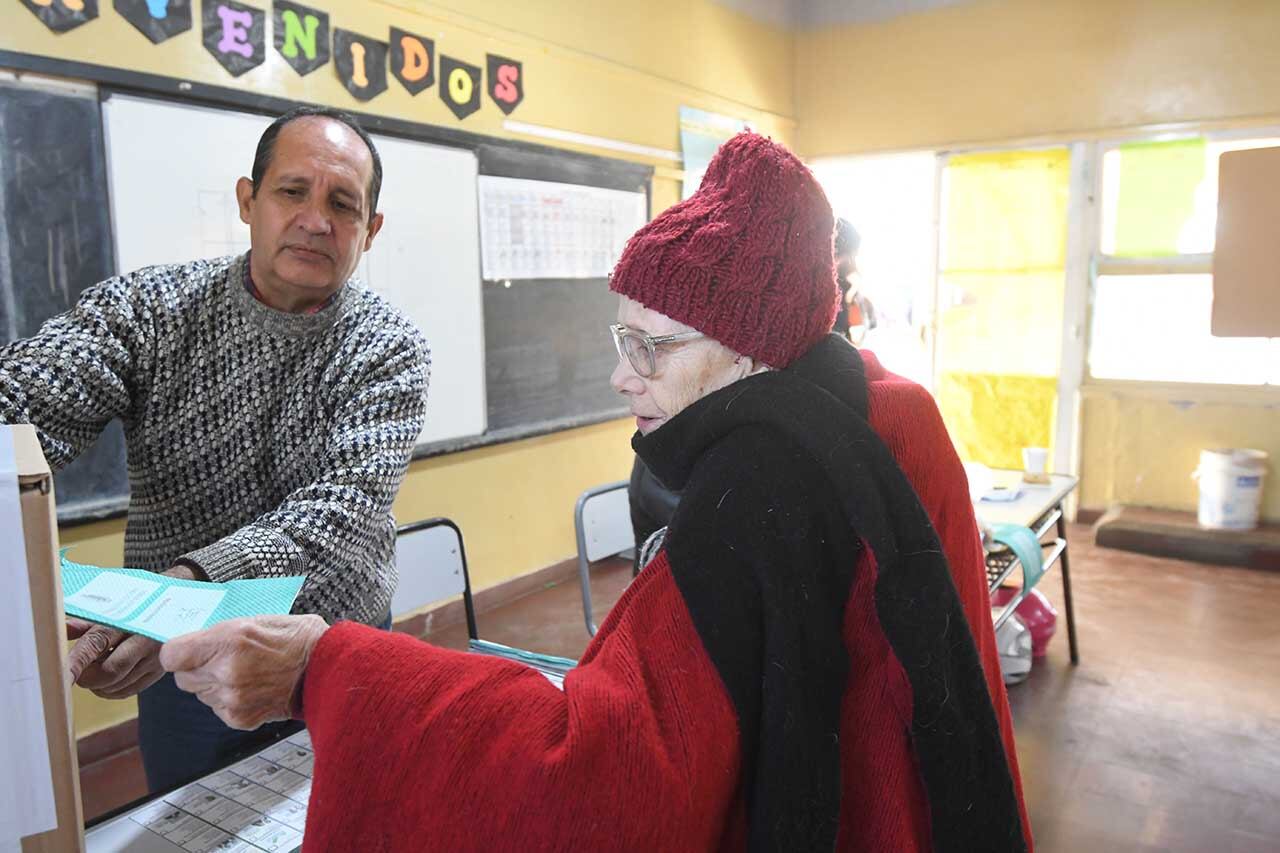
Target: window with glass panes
(1153, 285)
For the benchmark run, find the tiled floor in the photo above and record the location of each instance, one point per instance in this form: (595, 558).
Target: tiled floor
(1166, 737)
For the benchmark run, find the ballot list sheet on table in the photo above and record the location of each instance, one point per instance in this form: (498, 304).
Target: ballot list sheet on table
(259, 804)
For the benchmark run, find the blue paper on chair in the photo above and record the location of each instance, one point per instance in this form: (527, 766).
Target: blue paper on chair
(1024, 544)
(163, 607)
(553, 667)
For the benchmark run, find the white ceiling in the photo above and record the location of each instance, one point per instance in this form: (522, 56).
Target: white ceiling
(825, 13)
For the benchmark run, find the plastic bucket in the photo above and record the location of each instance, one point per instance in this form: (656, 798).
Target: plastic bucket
(1230, 488)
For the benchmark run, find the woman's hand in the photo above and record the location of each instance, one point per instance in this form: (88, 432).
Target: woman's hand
(249, 671)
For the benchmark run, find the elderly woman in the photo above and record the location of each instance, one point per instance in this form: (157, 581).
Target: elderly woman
(794, 669)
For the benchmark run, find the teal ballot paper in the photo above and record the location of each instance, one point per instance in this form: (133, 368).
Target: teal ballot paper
(161, 607)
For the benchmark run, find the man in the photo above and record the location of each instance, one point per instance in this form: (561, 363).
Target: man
(270, 405)
(856, 315)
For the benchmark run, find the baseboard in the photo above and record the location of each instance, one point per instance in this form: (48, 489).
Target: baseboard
(1176, 535)
(122, 737)
(1089, 516)
(454, 612)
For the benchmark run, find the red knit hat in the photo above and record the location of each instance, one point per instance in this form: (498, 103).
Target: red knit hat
(746, 260)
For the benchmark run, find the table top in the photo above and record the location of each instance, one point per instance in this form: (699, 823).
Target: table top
(1033, 501)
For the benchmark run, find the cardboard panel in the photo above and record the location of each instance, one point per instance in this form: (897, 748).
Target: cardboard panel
(41, 534)
(1246, 260)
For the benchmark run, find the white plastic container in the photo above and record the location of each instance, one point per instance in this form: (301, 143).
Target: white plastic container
(1230, 488)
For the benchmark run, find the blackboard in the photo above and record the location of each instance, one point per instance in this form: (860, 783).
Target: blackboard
(548, 354)
(55, 240)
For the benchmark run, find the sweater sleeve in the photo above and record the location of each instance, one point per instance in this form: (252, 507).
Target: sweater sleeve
(79, 371)
(336, 528)
(419, 747)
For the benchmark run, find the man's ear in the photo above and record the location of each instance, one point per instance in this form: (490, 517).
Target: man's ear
(244, 196)
(375, 225)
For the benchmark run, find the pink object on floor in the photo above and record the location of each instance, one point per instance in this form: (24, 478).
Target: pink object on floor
(1036, 611)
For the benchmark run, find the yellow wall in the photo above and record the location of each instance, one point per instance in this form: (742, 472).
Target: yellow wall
(995, 70)
(1140, 445)
(608, 68)
(695, 46)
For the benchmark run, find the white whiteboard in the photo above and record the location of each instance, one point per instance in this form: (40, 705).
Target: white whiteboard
(173, 169)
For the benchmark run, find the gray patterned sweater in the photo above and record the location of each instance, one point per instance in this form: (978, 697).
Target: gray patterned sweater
(260, 443)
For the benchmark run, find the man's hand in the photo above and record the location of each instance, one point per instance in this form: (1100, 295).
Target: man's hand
(247, 670)
(113, 663)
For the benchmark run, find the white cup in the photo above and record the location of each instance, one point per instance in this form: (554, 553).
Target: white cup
(1035, 460)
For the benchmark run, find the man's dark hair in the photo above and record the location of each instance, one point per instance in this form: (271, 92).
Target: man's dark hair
(267, 147)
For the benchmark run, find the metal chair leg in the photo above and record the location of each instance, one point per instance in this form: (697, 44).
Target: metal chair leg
(1066, 592)
(584, 577)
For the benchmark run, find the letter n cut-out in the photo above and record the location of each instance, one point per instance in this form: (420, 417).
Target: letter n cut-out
(459, 86)
(361, 63)
(506, 82)
(235, 34)
(158, 20)
(413, 59)
(63, 15)
(301, 35)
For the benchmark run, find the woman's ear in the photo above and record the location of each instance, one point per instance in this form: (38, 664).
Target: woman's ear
(745, 365)
(749, 366)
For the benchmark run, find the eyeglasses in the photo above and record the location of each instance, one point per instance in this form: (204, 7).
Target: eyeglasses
(641, 349)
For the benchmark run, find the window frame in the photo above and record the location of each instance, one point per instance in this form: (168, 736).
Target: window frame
(1097, 264)
(1085, 262)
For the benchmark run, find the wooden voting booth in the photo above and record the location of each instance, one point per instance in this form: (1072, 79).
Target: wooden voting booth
(40, 534)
